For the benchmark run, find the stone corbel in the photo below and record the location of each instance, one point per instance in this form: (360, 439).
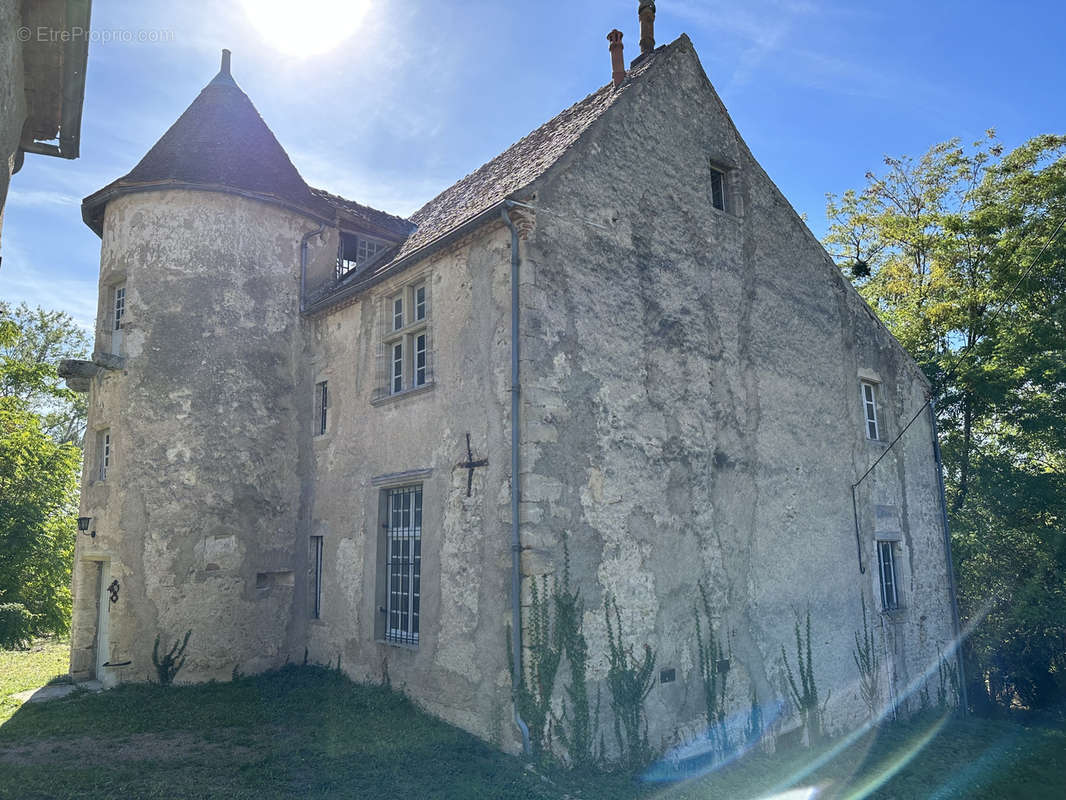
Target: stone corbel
(524, 220)
(79, 373)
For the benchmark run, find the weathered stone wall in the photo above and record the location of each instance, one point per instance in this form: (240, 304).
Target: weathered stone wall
(459, 668)
(203, 507)
(692, 414)
(12, 94)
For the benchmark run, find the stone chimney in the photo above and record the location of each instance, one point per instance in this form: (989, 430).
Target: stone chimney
(646, 12)
(225, 62)
(618, 64)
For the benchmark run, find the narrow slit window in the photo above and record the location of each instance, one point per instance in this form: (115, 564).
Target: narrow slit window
(104, 449)
(420, 360)
(869, 404)
(120, 306)
(321, 407)
(886, 561)
(315, 564)
(397, 367)
(718, 189)
(397, 313)
(420, 303)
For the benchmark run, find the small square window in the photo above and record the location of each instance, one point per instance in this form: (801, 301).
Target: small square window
(869, 405)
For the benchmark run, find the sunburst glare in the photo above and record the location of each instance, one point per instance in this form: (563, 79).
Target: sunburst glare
(310, 28)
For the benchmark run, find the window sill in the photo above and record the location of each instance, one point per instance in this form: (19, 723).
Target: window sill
(377, 401)
(399, 645)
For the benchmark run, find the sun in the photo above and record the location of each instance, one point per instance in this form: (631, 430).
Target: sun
(306, 28)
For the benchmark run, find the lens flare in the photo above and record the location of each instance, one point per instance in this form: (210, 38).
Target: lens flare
(305, 29)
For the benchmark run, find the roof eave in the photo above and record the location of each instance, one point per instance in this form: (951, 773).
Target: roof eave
(348, 293)
(92, 207)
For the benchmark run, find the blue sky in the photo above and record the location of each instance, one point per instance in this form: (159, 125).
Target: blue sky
(422, 92)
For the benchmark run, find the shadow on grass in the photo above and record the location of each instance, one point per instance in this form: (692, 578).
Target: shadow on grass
(311, 732)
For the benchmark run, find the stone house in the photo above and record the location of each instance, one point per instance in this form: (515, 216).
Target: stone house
(44, 46)
(321, 432)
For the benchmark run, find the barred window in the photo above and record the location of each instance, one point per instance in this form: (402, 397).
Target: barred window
(886, 562)
(403, 563)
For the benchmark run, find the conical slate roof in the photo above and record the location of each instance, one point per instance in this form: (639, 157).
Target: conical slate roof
(220, 142)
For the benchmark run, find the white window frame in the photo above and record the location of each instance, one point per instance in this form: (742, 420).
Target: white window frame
(407, 340)
(117, 316)
(403, 563)
(315, 558)
(888, 574)
(868, 396)
(321, 418)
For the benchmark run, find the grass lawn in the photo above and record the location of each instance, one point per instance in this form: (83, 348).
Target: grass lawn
(310, 732)
(20, 670)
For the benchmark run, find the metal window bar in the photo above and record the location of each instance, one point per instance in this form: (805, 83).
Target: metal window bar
(403, 564)
(321, 407)
(105, 454)
(887, 562)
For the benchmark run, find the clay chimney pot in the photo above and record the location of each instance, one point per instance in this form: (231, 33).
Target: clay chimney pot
(618, 65)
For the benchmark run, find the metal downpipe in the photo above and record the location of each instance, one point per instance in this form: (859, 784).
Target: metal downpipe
(963, 693)
(516, 542)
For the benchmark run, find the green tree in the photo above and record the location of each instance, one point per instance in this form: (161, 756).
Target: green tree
(38, 476)
(29, 359)
(962, 254)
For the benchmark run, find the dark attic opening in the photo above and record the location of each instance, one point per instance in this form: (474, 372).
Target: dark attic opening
(356, 251)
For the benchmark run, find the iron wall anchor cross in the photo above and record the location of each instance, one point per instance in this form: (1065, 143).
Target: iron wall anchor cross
(470, 465)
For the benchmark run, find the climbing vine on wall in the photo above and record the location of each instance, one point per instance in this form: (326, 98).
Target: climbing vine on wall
(629, 680)
(712, 657)
(805, 693)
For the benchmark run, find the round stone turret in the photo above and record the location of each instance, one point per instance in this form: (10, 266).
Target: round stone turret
(199, 430)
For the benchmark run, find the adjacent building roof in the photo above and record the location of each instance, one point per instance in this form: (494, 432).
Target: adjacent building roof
(55, 76)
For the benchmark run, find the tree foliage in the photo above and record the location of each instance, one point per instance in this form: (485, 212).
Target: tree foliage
(37, 340)
(962, 253)
(39, 464)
